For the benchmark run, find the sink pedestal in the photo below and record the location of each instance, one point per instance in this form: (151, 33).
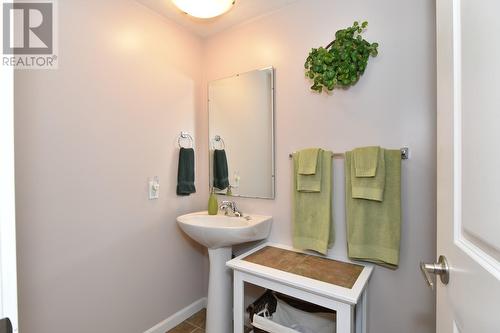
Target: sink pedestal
(220, 295)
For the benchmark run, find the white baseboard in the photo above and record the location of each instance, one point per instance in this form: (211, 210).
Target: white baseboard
(178, 317)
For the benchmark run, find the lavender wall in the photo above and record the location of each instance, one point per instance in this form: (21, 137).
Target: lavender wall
(394, 104)
(95, 255)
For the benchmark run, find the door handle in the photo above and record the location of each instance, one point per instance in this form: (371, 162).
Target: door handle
(440, 268)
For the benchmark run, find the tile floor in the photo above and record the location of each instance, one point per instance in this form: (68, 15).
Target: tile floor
(194, 324)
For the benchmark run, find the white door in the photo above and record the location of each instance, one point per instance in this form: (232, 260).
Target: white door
(8, 274)
(468, 230)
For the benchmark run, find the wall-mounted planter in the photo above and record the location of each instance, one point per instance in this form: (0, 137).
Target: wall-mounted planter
(342, 62)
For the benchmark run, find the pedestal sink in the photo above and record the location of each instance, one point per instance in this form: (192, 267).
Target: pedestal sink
(219, 233)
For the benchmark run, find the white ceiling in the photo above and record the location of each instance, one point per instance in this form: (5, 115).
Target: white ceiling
(242, 11)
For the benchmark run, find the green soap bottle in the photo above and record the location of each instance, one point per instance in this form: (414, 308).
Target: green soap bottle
(213, 205)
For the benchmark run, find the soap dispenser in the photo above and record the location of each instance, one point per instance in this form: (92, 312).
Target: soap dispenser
(213, 205)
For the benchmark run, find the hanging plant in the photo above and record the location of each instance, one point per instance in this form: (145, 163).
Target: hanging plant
(342, 62)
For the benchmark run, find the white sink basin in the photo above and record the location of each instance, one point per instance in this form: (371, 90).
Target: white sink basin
(219, 233)
(215, 231)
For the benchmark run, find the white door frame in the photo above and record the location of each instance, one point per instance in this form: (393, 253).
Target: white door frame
(8, 267)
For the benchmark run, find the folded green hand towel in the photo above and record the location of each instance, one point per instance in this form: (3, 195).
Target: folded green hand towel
(185, 172)
(308, 161)
(370, 188)
(365, 161)
(312, 211)
(373, 227)
(221, 179)
(309, 182)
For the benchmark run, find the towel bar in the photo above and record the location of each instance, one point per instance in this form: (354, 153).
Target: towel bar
(405, 154)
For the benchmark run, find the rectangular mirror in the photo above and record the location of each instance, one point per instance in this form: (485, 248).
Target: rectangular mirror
(241, 134)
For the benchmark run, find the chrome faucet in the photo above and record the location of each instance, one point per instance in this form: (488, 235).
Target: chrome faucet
(229, 207)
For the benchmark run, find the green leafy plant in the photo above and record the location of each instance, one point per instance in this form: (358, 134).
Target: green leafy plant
(342, 62)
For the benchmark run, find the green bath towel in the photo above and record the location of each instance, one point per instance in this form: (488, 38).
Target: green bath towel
(373, 227)
(366, 160)
(312, 211)
(309, 173)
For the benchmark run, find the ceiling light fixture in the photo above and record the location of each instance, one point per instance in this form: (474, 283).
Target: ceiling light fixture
(204, 8)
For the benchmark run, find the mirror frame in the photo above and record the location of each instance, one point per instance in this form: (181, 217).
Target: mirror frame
(273, 138)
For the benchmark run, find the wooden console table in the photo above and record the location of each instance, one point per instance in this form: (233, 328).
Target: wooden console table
(334, 284)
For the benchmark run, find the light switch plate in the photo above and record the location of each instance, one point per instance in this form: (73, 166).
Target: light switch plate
(154, 188)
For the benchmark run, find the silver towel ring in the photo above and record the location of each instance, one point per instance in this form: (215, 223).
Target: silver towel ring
(218, 139)
(185, 135)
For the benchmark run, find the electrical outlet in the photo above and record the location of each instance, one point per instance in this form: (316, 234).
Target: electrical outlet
(154, 188)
